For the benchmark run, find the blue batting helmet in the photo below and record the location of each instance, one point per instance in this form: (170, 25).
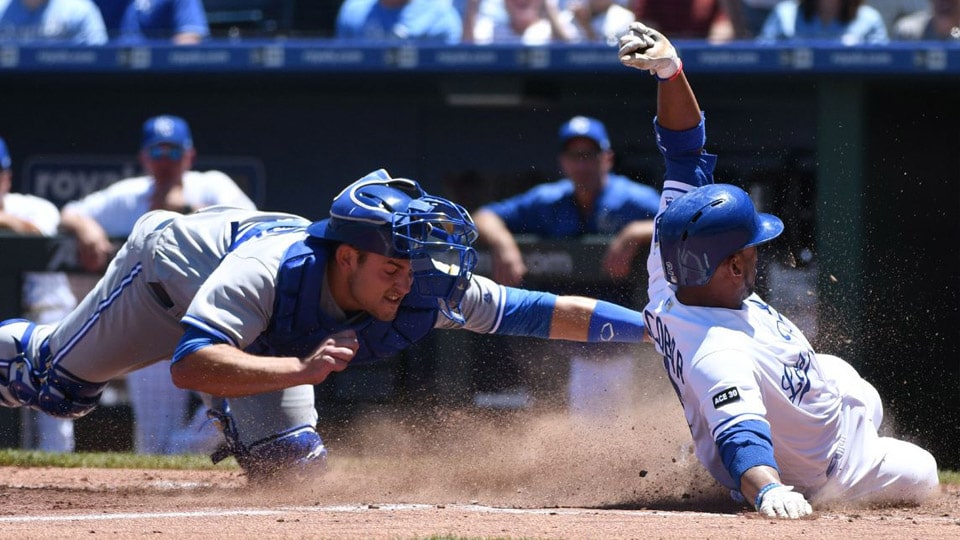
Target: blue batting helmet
(705, 226)
(395, 217)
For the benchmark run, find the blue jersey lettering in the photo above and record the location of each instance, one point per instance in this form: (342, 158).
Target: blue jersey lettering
(794, 381)
(672, 358)
(783, 326)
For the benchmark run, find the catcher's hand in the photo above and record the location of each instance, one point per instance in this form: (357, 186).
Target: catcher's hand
(782, 502)
(643, 47)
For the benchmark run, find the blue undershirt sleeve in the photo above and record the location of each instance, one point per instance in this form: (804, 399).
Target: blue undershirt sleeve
(614, 323)
(683, 154)
(192, 341)
(527, 313)
(688, 142)
(530, 313)
(745, 445)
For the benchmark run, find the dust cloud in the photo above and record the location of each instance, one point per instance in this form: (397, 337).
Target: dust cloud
(638, 456)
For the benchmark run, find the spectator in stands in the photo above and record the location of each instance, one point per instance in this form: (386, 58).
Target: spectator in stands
(527, 22)
(589, 200)
(848, 21)
(595, 20)
(938, 21)
(747, 16)
(46, 296)
(167, 155)
(690, 19)
(392, 20)
(74, 22)
(893, 10)
(184, 22)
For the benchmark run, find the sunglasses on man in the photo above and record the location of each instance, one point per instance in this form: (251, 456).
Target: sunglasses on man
(581, 155)
(165, 151)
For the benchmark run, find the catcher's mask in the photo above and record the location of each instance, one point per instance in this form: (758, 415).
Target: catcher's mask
(396, 218)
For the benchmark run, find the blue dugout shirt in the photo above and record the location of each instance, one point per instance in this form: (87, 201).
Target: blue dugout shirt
(163, 19)
(549, 211)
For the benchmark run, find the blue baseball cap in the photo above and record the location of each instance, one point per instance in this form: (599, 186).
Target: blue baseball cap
(4, 155)
(584, 126)
(166, 129)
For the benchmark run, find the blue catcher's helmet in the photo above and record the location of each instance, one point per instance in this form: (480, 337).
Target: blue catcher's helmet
(705, 226)
(395, 217)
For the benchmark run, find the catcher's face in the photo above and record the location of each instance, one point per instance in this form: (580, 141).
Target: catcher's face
(378, 284)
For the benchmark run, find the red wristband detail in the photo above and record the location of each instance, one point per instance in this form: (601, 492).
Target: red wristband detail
(675, 75)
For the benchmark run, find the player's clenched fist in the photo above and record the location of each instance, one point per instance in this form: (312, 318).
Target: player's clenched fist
(334, 354)
(643, 47)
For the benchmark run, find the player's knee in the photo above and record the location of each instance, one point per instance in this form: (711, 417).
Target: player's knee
(67, 396)
(914, 471)
(925, 480)
(297, 454)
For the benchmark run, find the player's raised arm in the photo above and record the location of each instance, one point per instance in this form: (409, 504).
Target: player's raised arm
(740, 447)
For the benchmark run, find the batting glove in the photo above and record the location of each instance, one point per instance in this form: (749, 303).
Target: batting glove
(643, 47)
(780, 501)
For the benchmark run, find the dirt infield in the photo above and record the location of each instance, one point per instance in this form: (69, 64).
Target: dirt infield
(539, 477)
(532, 474)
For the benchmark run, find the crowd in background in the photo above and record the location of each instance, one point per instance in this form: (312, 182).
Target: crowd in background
(527, 22)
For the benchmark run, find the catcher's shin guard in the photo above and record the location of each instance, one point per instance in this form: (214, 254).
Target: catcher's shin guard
(67, 396)
(19, 379)
(298, 453)
(27, 379)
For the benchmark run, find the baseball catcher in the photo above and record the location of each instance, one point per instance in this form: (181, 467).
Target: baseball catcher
(256, 308)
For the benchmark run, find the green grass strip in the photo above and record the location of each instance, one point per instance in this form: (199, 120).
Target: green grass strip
(109, 460)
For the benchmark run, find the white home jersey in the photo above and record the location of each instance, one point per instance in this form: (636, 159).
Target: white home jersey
(118, 206)
(729, 365)
(734, 365)
(749, 364)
